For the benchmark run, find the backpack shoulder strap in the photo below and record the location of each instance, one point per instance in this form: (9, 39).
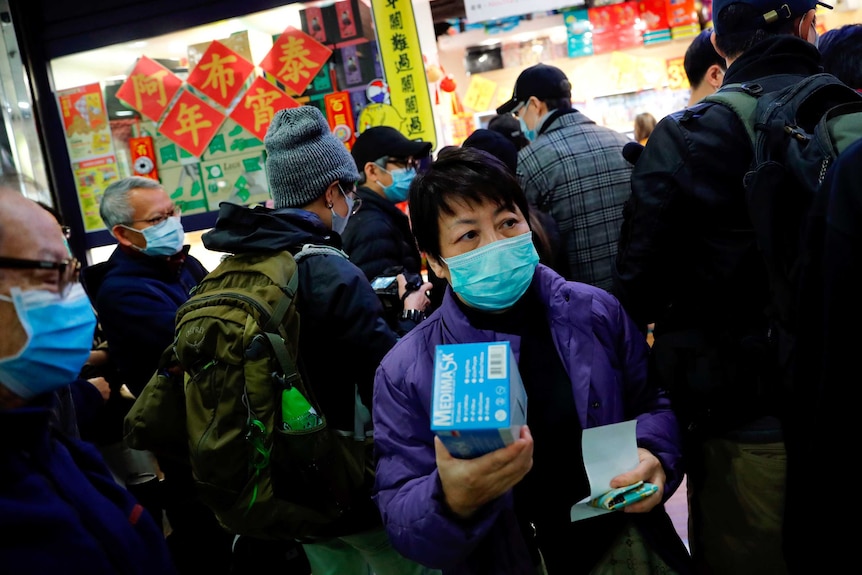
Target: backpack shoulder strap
(318, 249)
(740, 102)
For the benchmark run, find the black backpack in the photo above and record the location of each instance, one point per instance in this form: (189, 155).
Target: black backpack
(796, 131)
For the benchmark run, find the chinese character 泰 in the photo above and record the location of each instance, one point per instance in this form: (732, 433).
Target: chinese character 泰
(294, 60)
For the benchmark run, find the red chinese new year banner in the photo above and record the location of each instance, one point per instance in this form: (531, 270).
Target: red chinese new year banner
(339, 116)
(221, 73)
(258, 106)
(149, 88)
(191, 123)
(143, 157)
(295, 59)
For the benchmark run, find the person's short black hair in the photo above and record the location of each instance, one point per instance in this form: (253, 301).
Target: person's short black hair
(699, 57)
(558, 103)
(741, 18)
(841, 54)
(467, 174)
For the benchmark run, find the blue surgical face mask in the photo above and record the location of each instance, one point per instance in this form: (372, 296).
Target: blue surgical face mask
(399, 189)
(495, 276)
(339, 222)
(527, 132)
(59, 337)
(163, 239)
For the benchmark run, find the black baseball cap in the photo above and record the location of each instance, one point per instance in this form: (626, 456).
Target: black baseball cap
(495, 144)
(771, 10)
(379, 141)
(542, 81)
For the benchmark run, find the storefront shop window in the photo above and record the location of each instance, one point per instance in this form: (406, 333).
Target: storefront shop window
(20, 151)
(191, 108)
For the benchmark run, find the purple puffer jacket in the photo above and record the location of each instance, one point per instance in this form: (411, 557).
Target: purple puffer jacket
(606, 359)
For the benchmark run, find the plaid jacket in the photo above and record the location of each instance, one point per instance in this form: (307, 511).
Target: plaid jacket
(575, 171)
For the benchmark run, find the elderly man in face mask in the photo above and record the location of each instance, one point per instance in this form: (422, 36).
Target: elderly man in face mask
(60, 510)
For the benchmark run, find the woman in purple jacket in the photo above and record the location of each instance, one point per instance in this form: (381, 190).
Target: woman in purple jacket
(583, 363)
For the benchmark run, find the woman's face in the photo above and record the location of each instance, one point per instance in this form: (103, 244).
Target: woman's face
(473, 226)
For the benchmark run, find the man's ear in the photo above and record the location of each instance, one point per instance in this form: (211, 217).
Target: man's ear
(714, 76)
(806, 23)
(371, 172)
(122, 234)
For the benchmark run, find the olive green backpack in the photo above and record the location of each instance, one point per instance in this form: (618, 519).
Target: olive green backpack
(217, 400)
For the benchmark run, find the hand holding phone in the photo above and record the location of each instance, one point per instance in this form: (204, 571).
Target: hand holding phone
(622, 496)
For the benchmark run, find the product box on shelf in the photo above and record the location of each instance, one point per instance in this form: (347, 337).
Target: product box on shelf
(478, 402)
(314, 23)
(353, 21)
(357, 64)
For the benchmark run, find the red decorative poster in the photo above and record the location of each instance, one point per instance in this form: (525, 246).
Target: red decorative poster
(220, 73)
(143, 157)
(149, 88)
(614, 27)
(339, 116)
(191, 123)
(295, 59)
(258, 106)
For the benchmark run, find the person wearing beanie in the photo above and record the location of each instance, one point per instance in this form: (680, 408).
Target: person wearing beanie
(343, 334)
(688, 261)
(378, 240)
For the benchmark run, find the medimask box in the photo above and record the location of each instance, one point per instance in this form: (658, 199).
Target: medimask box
(478, 400)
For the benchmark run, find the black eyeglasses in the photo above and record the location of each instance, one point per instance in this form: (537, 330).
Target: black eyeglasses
(174, 211)
(404, 163)
(67, 271)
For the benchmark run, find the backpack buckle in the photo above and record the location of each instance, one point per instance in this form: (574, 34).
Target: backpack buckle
(795, 133)
(753, 89)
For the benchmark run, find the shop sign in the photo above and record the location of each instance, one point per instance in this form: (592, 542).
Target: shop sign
(676, 78)
(404, 68)
(295, 59)
(220, 74)
(149, 88)
(85, 121)
(191, 123)
(258, 106)
(483, 10)
(340, 117)
(479, 93)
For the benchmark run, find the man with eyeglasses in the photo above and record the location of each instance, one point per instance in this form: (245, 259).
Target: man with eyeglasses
(60, 510)
(343, 334)
(136, 293)
(573, 169)
(378, 240)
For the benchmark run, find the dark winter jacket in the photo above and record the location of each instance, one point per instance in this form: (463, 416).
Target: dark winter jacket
(136, 298)
(378, 237)
(61, 510)
(343, 335)
(687, 259)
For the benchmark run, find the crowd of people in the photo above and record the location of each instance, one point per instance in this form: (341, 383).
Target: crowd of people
(547, 231)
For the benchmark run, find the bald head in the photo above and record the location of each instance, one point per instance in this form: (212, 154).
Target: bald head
(28, 231)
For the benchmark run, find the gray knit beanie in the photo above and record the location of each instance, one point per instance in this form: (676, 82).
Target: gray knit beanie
(303, 157)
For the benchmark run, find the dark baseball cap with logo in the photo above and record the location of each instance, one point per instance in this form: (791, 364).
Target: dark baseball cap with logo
(771, 11)
(379, 141)
(542, 81)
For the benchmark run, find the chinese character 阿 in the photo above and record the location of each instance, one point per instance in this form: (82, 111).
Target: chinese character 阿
(220, 76)
(407, 84)
(403, 63)
(261, 104)
(294, 59)
(149, 85)
(399, 42)
(191, 120)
